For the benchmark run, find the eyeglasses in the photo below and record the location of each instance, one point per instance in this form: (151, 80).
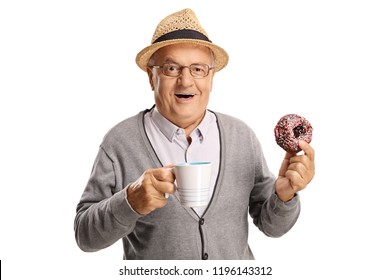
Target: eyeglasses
(197, 70)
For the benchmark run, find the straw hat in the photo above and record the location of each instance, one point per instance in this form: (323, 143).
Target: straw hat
(181, 27)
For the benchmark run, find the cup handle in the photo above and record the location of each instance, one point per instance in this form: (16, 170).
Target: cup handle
(169, 169)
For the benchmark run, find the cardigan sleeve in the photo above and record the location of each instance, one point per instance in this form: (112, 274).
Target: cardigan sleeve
(103, 214)
(270, 214)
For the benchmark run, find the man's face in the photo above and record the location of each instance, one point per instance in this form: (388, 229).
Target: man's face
(183, 99)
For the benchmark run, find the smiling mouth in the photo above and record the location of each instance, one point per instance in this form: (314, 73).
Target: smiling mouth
(184, 96)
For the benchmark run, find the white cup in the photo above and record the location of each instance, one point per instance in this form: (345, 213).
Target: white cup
(193, 183)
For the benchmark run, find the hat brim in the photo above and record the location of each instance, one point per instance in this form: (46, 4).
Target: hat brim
(220, 55)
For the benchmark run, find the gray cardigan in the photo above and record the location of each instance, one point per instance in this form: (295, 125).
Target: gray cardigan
(174, 232)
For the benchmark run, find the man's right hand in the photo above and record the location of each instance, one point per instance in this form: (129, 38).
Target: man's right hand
(148, 192)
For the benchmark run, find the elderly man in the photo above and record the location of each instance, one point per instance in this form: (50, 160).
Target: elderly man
(126, 196)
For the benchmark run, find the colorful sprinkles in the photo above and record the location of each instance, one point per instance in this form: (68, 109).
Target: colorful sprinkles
(291, 128)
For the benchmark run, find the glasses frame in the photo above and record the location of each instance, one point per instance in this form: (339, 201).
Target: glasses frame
(181, 67)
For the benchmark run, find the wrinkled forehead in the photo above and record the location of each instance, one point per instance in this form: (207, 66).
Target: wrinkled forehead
(184, 50)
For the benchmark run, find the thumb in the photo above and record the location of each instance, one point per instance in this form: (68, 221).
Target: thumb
(169, 167)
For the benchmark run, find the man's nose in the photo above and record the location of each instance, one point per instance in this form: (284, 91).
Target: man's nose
(185, 78)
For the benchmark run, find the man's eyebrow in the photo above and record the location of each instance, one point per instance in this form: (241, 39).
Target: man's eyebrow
(169, 60)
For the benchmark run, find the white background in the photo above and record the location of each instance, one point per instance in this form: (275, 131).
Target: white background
(67, 75)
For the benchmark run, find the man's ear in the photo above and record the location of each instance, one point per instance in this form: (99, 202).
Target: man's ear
(150, 75)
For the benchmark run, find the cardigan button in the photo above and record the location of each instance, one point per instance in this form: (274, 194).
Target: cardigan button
(205, 256)
(201, 221)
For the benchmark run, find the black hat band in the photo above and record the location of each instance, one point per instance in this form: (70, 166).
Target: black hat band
(182, 34)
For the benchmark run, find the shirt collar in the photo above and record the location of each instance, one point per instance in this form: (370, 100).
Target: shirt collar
(205, 124)
(169, 129)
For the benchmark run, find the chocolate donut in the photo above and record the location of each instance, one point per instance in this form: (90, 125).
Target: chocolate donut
(291, 128)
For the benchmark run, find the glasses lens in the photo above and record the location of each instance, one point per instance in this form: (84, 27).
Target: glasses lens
(199, 70)
(171, 69)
